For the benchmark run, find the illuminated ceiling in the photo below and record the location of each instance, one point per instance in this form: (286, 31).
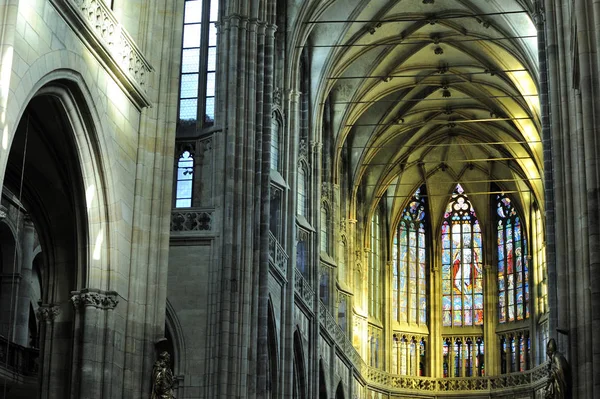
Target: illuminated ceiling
(434, 91)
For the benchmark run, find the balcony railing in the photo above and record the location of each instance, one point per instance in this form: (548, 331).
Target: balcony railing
(303, 289)
(18, 358)
(101, 32)
(277, 255)
(526, 381)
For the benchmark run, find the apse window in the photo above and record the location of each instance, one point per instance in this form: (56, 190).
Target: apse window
(198, 64)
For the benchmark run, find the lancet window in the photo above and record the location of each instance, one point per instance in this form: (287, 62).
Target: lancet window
(462, 281)
(409, 282)
(198, 64)
(513, 264)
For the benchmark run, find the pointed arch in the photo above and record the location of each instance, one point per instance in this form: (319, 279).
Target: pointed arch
(299, 368)
(273, 350)
(339, 392)
(174, 332)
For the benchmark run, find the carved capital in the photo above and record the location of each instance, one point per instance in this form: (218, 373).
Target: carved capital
(47, 313)
(94, 298)
(3, 212)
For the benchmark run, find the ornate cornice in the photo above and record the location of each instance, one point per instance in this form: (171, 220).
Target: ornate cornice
(94, 298)
(109, 42)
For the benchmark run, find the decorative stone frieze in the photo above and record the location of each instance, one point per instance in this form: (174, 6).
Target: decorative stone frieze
(191, 221)
(94, 298)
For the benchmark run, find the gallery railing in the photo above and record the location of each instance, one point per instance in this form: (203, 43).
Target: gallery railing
(528, 380)
(191, 220)
(18, 358)
(277, 255)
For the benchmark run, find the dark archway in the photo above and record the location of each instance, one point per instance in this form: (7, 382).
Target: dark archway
(299, 369)
(322, 382)
(273, 364)
(339, 393)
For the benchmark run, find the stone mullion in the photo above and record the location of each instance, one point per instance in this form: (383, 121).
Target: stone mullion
(46, 314)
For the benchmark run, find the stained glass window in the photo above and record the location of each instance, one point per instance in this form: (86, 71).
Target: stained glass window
(185, 177)
(462, 278)
(198, 63)
(409, 285)
(513, 266)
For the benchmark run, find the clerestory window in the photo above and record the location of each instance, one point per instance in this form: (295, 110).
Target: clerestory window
(198, 64)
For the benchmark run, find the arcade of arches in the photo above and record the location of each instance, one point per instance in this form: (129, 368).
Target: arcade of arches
(298, 199)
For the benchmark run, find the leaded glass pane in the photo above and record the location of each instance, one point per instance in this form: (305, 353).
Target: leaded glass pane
(188, 109)
(209, 115)
(211, 63)
(191, 35)
(189, 85)
(212, 35)
(193, 11)
(190, 60)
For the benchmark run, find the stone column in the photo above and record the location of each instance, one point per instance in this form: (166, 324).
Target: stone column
(21, 334)
(46, 314)
(93, 322)
(9, 287)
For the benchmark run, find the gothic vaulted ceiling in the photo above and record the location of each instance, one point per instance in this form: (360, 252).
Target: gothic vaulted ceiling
(430, 91)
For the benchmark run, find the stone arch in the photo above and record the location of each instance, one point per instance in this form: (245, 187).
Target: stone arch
(300, 381)
(323, 394)
(176, 337)
(54, 164)
(273, 350)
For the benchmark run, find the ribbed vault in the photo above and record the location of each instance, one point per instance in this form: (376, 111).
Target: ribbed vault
(430, 91)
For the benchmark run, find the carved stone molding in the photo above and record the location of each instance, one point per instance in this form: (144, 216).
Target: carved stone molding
(94, 298)
(110, 43)
(193, 220)
(47, 313)
(3, 212)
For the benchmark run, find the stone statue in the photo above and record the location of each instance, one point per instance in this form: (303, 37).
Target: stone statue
(559, 384)
(162, 378)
